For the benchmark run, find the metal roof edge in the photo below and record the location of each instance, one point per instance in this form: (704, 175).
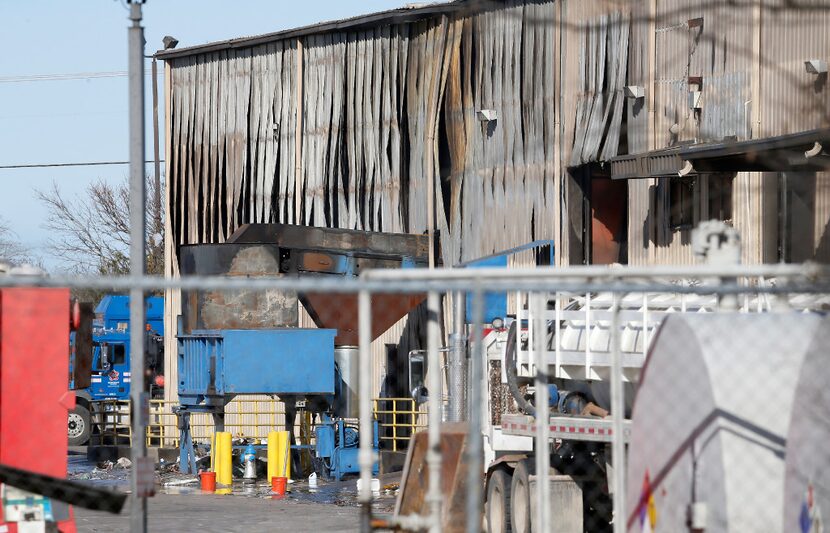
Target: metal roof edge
(790, 140)
(392, 16)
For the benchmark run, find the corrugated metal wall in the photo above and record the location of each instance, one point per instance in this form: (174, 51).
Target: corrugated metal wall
(793, 99)
(383, 108)
(754, 215)
(595, 48)
(748, 91)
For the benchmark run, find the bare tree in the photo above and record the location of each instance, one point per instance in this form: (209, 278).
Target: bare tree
(11, 250)
(91, 231)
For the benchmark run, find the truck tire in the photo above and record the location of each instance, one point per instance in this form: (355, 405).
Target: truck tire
(79, 425)
(521, 512)
(498, 502)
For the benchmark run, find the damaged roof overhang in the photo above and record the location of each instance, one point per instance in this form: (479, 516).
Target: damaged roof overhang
(392, 16)
(804, 151)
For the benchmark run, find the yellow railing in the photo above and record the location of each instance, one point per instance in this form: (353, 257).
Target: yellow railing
(111, 423)
(398, 419)
(162, 428)
(249, 418)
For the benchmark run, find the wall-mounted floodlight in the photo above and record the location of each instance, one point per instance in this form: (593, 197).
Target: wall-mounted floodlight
(816, 66)
(814, 151)
(686, 170)
(169, 42)
(487, 115)
(635, 91)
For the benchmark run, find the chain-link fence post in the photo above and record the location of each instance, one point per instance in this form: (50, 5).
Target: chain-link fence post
(138, 516)
(475, 453)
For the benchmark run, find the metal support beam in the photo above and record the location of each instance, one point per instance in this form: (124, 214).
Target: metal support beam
(365, 457)
(433, 456)
(542, 444)
(617, 420)
(475, 444)
(458, 362)
(140, 406)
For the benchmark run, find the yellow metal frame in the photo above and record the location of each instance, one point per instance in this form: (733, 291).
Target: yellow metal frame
(112, 419)
(402, 432)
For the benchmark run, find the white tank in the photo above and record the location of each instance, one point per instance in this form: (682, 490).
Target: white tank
(732, 414)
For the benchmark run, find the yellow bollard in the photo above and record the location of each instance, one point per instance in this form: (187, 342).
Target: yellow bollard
(279, 458)
(224, 462)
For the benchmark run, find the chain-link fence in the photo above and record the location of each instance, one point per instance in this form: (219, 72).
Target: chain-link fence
(670, 398)
(681, 399)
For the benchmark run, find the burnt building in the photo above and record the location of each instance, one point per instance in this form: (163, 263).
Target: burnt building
(610, 128)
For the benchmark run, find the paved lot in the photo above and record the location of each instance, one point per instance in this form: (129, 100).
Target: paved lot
(208, 513)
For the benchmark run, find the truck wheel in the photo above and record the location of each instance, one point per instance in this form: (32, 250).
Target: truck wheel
(520, 497)
(498, 502)
(79, 426)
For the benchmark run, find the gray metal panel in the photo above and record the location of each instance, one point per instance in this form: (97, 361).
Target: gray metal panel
(738, 382)
(725, 109)
(663, 164)
(792, 99)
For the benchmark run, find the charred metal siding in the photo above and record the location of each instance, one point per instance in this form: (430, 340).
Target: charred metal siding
(595, 47)
(344, 129)
(382, 110)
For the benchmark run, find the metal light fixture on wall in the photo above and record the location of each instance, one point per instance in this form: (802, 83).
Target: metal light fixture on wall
(816, 66)
(169, 42)
(635, 91)
(487, 115)
(686, 170)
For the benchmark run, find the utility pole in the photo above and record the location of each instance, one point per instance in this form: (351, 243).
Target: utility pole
(138, 396)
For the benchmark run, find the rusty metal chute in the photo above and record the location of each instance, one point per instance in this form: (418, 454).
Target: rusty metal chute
(269, 250)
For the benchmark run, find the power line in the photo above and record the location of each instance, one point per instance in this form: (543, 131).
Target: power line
(64, 77)
(86, 164)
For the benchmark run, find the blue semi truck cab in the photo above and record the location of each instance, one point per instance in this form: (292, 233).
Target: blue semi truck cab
(110, 373)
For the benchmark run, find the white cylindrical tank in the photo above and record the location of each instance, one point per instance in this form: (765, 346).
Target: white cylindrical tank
(346, 401)
(733, 415)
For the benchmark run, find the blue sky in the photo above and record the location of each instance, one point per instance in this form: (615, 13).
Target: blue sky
(86, 120)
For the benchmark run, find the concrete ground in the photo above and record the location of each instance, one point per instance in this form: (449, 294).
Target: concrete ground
(209, 513)
(179, 505)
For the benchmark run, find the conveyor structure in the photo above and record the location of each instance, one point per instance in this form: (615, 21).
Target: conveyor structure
(248, 342)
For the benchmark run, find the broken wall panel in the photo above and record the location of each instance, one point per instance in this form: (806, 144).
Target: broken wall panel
(346, 128)
(603, 67)
(383, 109)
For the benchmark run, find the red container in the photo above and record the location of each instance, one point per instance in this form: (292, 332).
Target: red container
(208, 480)
(278, 485)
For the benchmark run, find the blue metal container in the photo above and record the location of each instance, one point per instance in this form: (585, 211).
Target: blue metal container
(215, 365)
